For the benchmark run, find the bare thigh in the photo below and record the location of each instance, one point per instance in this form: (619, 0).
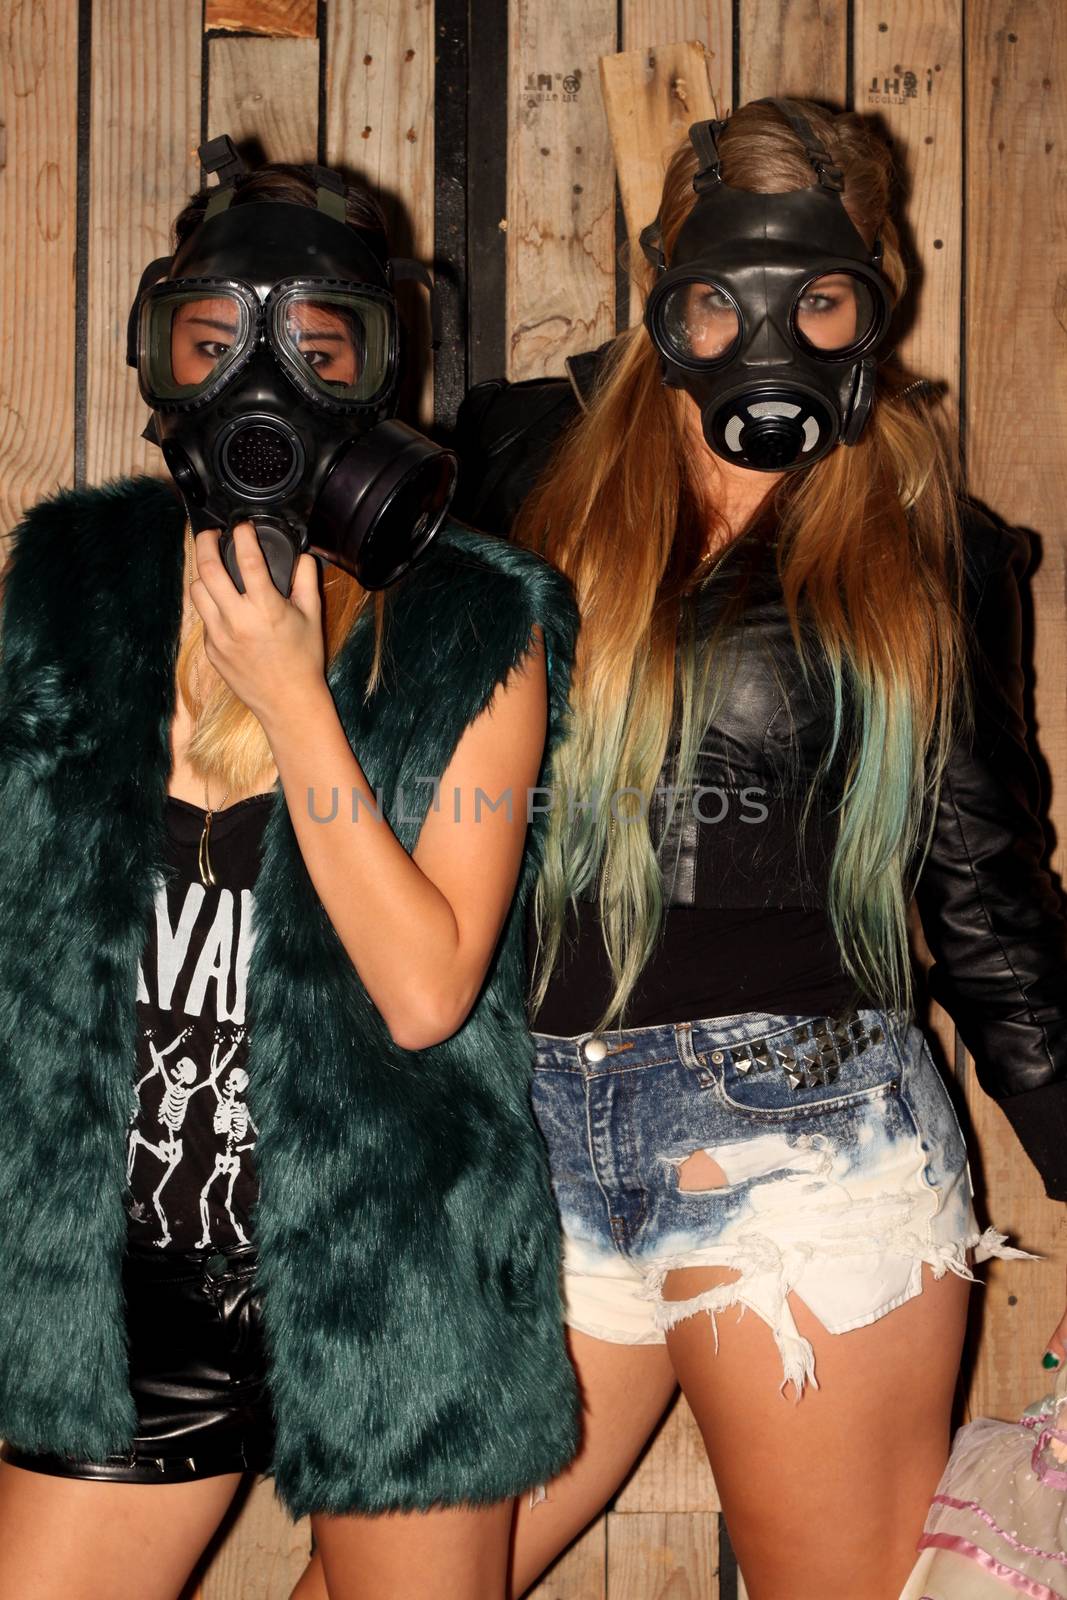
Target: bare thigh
(449, 1554)
(624, 1389)
(824, 1497)
(80, 1539)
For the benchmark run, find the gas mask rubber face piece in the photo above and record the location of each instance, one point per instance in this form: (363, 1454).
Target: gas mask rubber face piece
(770, 313)
(269, 357)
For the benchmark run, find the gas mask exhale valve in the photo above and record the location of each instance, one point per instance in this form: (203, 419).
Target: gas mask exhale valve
(267, 348)
(771, 311)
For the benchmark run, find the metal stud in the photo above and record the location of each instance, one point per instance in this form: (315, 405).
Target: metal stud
(835, 1041)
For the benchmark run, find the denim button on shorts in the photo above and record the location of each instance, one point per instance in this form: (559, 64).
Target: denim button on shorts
(844, 1163)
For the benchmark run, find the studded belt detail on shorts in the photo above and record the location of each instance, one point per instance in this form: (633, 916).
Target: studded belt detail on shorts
(833, 1040)
(809, 1054)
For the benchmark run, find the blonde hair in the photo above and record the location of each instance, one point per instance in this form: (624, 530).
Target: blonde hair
(868, 553)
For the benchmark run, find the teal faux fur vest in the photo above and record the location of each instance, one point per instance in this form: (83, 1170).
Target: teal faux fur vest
(408, 1240)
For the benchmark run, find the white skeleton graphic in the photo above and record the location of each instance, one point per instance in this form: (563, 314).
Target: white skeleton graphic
(232, 1119)
(180, 1086)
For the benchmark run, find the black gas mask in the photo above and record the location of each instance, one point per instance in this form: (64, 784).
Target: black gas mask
(267, 348)
(770, 312)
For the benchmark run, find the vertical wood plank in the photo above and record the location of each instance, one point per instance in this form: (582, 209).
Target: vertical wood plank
(38, 241)
(380, 122)
(662, 1557)
(793, 47)
(909, 73)
(266, 90)
(673, 1475)
(651, 96)
(263, 1552)
(651, 24)
(1015, 403)
(145, 127)
(561, 185)
(582, 1573)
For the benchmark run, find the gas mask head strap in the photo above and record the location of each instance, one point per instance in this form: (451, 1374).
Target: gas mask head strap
(402, 269)
(705, 139)
(705, 136)
(221, 156)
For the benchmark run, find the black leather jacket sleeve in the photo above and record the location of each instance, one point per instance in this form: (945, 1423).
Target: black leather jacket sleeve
(990, 912)
(505, 436)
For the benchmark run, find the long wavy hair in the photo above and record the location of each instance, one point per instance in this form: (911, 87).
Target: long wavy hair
(229, 743)
(868, 555)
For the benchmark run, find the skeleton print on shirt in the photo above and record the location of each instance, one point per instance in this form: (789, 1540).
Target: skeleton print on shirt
(191, 1136)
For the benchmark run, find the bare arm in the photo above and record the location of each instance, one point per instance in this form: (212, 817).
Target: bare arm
(420, 929)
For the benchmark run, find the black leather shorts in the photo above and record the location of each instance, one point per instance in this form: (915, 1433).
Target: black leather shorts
(197, 1371)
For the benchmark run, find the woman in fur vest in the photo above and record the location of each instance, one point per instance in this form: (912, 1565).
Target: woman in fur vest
(272, 1195)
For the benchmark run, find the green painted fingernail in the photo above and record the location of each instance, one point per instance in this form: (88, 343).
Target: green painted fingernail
(1049, 1360)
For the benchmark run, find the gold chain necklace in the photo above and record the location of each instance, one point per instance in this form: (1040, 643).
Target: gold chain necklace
(203, 855)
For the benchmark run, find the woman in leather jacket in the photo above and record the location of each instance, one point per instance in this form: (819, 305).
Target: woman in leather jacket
(740, 1110)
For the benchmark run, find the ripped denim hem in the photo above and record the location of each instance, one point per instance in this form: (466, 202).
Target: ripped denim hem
(768, 1274)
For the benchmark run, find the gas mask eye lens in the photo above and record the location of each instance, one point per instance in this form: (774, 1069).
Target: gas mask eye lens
(834, 313)
(699, 322)
(190, 338)
(202, 333)
(335, 342)
(330, 339)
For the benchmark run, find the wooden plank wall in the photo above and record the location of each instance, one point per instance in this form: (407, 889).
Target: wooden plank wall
(482, 122)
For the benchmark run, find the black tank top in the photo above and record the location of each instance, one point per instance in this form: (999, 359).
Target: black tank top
(190, 1141)
(710, 962)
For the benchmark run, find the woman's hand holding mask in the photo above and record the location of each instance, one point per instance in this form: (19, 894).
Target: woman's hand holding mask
(269, 649)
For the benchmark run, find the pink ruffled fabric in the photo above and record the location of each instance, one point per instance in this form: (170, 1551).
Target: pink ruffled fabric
(997, 1525)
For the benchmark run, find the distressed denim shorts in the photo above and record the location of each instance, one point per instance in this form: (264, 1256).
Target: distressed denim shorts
(844, 1161)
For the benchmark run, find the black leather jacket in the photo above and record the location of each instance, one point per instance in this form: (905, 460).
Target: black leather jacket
(991, 915)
